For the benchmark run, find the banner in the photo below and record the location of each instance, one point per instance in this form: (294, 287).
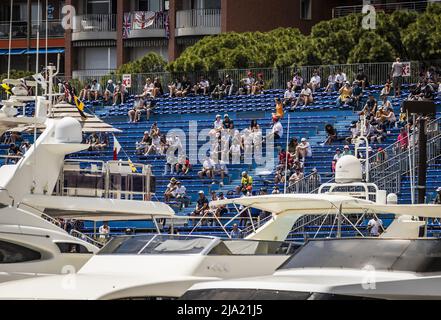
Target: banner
(127, 25)
(406, 69)
(143, 19)
(127, 80)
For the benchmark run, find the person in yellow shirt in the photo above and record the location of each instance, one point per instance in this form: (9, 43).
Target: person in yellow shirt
(345, 94)
(279, 108)
(246, 183)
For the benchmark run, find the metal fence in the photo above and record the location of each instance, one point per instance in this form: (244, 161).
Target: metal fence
(20, 29)
(198, 18)
(95, 23)
(275, 78)
(382, 7)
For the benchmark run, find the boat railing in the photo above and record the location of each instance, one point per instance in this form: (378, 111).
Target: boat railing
(84, 237)
(307, 184)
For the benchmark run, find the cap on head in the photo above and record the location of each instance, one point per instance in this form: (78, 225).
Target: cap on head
(201, 192)
(226, 115)
(110, 81)
(218, 116)
(439, 189)
(303, 140)
(346, 147)
(244, 173)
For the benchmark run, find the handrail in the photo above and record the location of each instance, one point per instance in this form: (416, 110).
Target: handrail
(77, 234)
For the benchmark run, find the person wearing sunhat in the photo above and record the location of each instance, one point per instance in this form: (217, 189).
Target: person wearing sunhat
(438, 196)
(171, 188)
(335, 159)
(246, 183)
(346, 151)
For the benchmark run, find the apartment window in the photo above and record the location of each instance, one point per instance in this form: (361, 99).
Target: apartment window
(99, 6)
(305, 9)
(152, 5)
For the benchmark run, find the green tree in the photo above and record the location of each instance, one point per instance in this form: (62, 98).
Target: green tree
(151, 62)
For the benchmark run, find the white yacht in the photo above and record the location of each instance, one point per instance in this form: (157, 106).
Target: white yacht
(31, 241)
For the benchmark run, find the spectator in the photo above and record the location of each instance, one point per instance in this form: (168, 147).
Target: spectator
(315, 179)
(207, 168)
(219, 90)
(95, 90)
(375, 227)
(331, 133)
(403, 139)
(235, 233)
(285, 157)
(362, 78)
(295, 177)
(305, 96)
(336, 157)
(13, 154)
(254, 126)
(119, 93)
(289, 97)
(218, 124)
(315, 81)
(94, 142)
(427, 91)
(292, 146)
(183, 166)
(145, 143)
(220, 169)
(170, 191)
(228, 84)
(147, 90)
(202, 86)
(175, 88)
(370, 108)
(355, 132)
(258, 85)
(275, 190)
(186, 87)
(157, 88)
(155, 147)
(246, 184)
(346, 151)
(438, 196)
(345, 95)
(357, 95)
(381, 156)
(85, 92)
(247, 83)
(276, 129)
(109, 91)
(340, 79)
(304, 150)
(297, 82)
(201, 206)
(331, 82)
(397, 76)
(385, 92)
(104, 231)
(389, 117)
(24, 147)
(279, 108)
(227, 123)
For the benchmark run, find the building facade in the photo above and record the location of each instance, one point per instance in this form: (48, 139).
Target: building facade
(104, 34)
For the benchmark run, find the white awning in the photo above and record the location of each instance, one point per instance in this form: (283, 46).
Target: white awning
(323, 203)
(97, 209)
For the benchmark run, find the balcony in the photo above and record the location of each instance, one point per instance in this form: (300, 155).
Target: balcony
(94, 26)
(20, 29)
(418, 6)
(139, 28)
(198, 22)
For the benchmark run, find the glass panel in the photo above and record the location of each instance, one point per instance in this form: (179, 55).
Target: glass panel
(177, 244)
(14, 253)
(126, 244)
(98, 7)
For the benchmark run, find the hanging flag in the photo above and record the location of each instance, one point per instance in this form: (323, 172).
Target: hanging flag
(132, 166)
(116, 148)
(6, 88)
(127, 24)
(40, 80)
(143, 19)
(167, 26)
(73, 99)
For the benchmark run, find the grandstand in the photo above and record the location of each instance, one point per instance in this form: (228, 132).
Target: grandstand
(309, 122)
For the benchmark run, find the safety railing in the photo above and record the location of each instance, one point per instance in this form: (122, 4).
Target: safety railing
(198, 18)
(112, 179)
(382, 7)
(138, 20)
(84, 237)
(307, 184)
(95, 23)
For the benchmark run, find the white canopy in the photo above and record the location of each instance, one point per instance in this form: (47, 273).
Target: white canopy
(97, 209)
(323, 203)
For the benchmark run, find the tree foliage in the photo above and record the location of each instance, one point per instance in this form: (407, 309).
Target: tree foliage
(408, 34)
(151, 62)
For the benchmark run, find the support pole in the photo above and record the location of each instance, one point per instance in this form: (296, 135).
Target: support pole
(422, 160)
(340, 209)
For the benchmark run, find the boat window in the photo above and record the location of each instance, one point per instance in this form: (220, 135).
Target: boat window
(249, 247)
(126, 244)
(68, 247)
(259, 294)
(422, 255)
(167, 245)
(14, 253)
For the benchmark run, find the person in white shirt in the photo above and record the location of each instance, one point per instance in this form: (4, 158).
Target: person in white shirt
(220, 168)
(315, 81)
(218, 125)
(207, 168)
(104, 231)
(289, 97)
(180, 194)
(276, 129)
(331, 83)
(303, 150)
(202, 86)
(340, 79)
(305, 96)
(375, 226)
(95, 90)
